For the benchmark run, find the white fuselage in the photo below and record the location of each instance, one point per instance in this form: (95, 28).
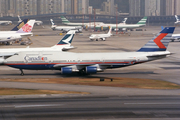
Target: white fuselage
(6, 22)
(130, 26)
(99, 36)
(12, 35)
(66, 28)
(91, 24)
(42, 60)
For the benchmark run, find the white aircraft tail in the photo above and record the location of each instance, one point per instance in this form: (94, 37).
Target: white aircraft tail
(177, 19)
(124, 21)
(66, 40)
(110, 30)
(19, 19)
(27, 28)
(52, 22)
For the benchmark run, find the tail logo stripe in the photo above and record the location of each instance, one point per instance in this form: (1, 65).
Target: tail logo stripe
(158, 40)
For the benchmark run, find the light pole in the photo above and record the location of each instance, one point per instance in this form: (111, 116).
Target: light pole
(83, 17)
(89, 19)
(94, 18)
(116, 21)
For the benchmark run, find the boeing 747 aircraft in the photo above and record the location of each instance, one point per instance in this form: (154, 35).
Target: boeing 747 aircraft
(141, 23)
(90, 63)
(65, 28)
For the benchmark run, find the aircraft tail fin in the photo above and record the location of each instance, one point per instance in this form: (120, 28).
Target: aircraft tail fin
(143, 21)
(177, 19)
(66, 40)
(124, 20)
(110, 30)
(22, 23)
(159, 42)
(27, 28)
(64, 20)
(19, 18)
(162, 27)
(52, 22)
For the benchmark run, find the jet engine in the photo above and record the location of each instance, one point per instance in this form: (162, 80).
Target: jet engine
(91, 69)
(66, 70)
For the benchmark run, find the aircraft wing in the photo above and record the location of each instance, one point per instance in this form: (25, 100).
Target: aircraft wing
(7, 54)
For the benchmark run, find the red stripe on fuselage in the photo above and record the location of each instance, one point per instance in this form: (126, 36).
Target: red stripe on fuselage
(67, 63)
(158, 40)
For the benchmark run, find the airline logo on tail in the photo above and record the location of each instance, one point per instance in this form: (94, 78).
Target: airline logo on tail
(66, 39)
(143, 21)
(64, 20)
(27, 28)
(159, 42)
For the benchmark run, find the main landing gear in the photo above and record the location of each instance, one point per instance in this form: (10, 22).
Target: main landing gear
(22, 73)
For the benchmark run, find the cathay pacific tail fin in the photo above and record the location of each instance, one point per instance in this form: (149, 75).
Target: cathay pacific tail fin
(66, 40)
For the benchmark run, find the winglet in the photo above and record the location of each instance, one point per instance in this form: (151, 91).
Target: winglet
(159, 42)
(22, 23)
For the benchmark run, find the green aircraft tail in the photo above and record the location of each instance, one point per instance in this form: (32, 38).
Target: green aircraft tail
(64, 20)
(142, 21)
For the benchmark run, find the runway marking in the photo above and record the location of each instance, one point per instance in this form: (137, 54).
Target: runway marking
(23, 106)
(152, 103)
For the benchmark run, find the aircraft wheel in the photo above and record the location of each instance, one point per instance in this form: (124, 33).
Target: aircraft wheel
(96, 39)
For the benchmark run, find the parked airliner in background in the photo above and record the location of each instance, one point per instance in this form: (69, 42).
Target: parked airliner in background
(37, 22)
(5, 22)
(89, 63)
(141, 23)
(87, 25)
(65, 28)
(23, 31)
(101, 36)
(174, 36)
(177, 20)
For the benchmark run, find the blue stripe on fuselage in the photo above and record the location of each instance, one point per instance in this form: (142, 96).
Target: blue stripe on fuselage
(34, 67)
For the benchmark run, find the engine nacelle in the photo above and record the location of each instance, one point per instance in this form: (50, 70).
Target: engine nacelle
(91, 69)
(66, 70)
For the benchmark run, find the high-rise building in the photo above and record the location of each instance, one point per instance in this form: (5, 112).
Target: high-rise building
(37, 7)
(109, 8)
(153, 7)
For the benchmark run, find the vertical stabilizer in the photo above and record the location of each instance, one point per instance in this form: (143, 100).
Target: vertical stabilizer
(64, 20)
(19, 19)
(27, 28)
(66, 40)
(52, 22)
(22, 23)
(142, 21)
(177, 19)
(159, 42)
